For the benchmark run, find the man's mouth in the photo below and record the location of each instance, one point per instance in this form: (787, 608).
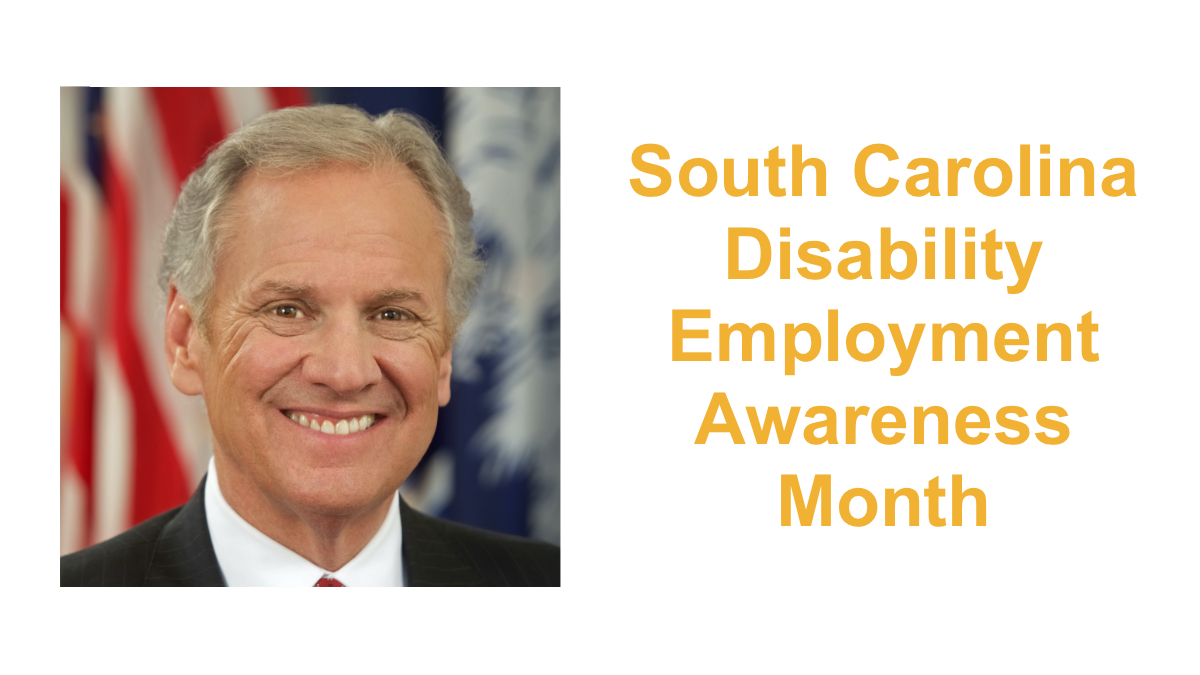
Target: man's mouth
(331, 425)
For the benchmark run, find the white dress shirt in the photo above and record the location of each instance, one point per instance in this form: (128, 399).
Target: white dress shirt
(250, 558)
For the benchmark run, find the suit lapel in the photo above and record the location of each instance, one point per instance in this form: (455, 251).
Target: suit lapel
(430, 556)
(183, 555)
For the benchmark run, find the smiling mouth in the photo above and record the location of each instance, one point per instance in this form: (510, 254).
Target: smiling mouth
(330, 425)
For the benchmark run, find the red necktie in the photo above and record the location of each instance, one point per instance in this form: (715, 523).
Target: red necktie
(326, 582)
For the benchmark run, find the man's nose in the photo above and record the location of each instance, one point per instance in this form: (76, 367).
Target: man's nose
(342, 359)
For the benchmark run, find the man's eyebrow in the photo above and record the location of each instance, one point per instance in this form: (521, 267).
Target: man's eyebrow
(397, 295)
(386, 295)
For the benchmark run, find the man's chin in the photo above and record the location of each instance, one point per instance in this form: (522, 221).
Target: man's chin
(332, 502)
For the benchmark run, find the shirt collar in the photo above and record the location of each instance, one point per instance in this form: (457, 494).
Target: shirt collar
(250, 558)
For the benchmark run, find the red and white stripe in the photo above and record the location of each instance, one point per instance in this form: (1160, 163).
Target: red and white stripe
(132, 445)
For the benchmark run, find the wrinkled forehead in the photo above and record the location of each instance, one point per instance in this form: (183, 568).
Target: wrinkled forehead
(337, 211)
(262, 188)
(327, 195)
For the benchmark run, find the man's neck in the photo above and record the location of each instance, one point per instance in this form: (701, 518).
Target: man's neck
(328, 541)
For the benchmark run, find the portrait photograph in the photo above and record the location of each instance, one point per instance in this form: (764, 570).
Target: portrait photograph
(309, 336)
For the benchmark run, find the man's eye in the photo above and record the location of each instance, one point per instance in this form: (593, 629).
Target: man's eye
(394, 315)
(287, 312)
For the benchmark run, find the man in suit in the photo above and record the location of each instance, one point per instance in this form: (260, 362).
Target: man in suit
(316, 269)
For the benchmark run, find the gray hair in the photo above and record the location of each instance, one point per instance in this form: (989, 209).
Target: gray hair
(296, 140)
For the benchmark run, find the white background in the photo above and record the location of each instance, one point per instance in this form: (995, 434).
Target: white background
(673, 556)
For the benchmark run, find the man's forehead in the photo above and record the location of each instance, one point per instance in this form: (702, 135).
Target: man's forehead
(337, 200)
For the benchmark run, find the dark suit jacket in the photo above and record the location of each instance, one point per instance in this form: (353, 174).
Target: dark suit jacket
(174, 549)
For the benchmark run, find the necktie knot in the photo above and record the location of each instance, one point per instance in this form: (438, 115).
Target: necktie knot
(326, 582)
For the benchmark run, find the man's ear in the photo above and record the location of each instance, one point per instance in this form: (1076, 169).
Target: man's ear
(183, 343)
(444, 369)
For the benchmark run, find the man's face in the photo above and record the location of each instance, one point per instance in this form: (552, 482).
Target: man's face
(329, 304)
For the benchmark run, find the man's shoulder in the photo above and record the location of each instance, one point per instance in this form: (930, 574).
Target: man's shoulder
(123, 560)
(171, 549)
(444, 553)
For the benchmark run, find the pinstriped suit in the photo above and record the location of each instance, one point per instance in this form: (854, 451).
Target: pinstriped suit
(174, 549)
